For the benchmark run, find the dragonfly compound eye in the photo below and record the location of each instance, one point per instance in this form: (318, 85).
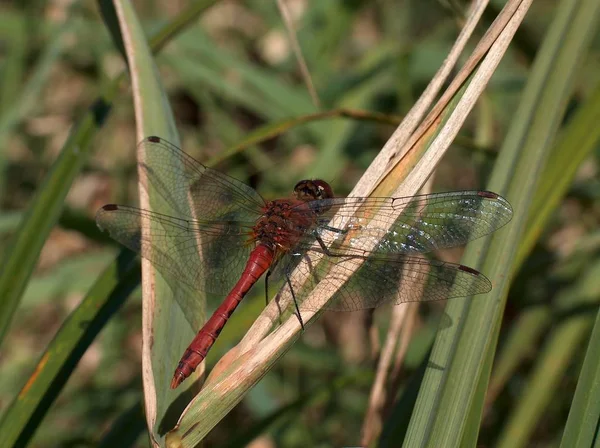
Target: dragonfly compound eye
(310, 190)
(325, 190)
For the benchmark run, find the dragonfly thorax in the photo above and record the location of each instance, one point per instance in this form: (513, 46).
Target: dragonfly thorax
(283, 223)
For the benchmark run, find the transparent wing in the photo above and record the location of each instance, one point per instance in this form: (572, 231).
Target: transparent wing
(427, 223)
(207, 256)
(182, 181)
(386, 278)
(386, 246)
(205, 244)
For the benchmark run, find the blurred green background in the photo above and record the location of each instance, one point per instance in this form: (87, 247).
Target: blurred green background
(228, 73)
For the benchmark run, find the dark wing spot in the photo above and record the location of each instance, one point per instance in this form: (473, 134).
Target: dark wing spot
(469, 270)
(487, 194)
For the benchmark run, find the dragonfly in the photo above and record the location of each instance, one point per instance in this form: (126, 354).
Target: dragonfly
(222, 236)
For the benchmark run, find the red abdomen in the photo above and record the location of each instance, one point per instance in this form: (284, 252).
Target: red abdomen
(258, 263)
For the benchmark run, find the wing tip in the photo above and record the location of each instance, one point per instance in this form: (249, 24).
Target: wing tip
(101, 215)
(507, 210)
(483, 283)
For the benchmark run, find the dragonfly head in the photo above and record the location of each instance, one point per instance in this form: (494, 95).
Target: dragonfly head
(310, 190)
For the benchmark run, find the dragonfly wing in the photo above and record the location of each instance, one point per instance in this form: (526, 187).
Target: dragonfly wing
(367, 232)
(206, 256)
(383, 278)
(183, 182)
(427, 222)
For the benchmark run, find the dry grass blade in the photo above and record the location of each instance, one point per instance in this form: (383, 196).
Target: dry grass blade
(149, 383)
(397, 146)
(477, 71)
(289, 24)
(428, 156)
(147, 281)
(165, 330)
(497, 40)
(381, 163)
(372, 423)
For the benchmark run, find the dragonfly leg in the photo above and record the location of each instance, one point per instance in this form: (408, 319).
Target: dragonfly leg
(324, 247)
(289, 282)
(326, 250)
(335, 230)
(267, 275)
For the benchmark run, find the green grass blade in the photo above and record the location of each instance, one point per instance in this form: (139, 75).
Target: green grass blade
(19, 260)
(582, 423)
(519, 343)
(560, 351)
(577, 141)
(451, 398)
(278, 128)
(295, 408)
(43, 213)
(15, 36)
(29, 95)
(56, 365)
(126, 429)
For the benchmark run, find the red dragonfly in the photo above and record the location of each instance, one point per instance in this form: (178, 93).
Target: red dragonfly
(225, 236)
